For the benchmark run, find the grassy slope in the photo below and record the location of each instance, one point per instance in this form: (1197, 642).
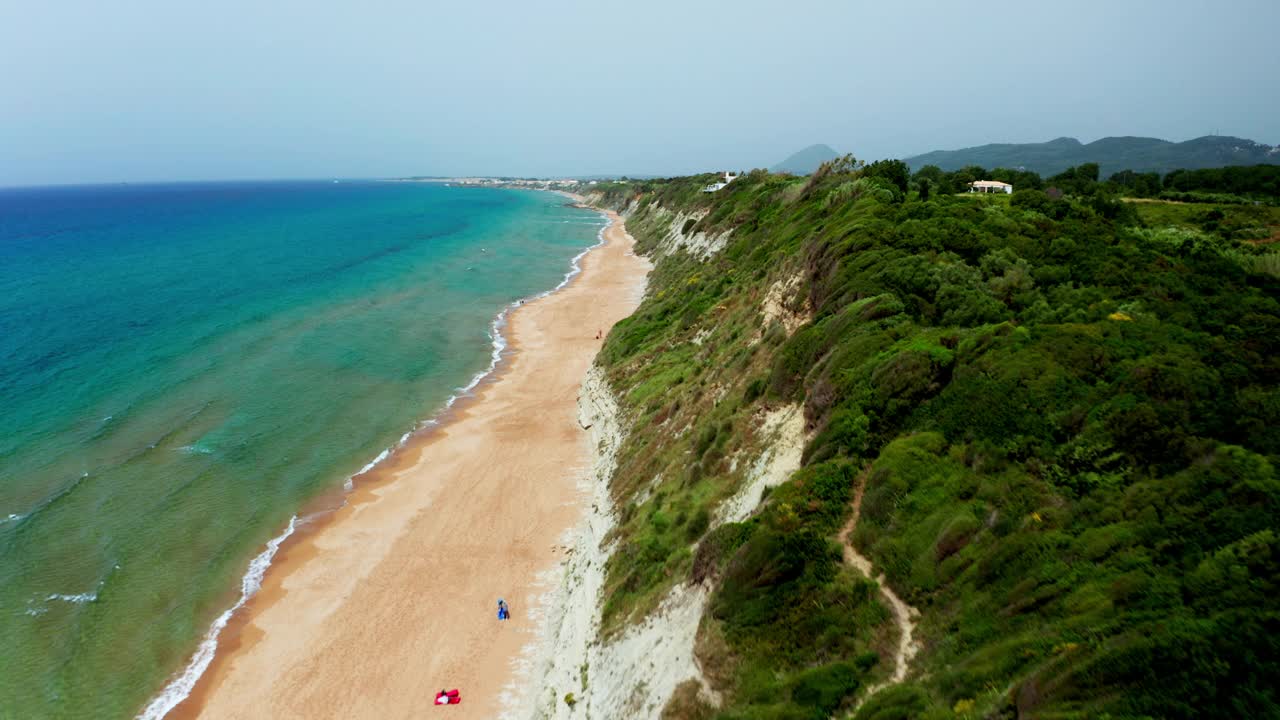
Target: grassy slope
(1068, 420)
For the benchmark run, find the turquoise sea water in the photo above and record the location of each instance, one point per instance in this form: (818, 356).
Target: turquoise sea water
(183, 366)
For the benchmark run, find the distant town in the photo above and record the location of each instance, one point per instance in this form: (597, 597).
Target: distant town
(527, 183)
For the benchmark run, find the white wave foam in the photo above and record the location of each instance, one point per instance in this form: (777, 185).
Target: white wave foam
(576, 263)
(87, 597)
(180, 687)
(37, 607)
(370, 465)
(499, 340)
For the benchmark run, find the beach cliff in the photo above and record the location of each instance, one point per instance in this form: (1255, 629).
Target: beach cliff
(844, 452)
(868, 452)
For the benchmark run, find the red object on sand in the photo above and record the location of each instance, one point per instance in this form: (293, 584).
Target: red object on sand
(448, 697)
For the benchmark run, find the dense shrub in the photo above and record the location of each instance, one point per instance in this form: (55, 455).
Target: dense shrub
(1063, 407)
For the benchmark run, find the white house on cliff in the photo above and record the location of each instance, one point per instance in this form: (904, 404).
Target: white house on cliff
(728, 178)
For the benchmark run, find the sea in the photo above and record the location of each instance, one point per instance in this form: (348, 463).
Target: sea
(185, 367)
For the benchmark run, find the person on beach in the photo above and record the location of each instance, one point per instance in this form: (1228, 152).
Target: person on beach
(599, 334)
(448, 697)
(504, 613)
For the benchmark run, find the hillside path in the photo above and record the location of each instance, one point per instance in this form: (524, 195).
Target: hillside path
(904, 616)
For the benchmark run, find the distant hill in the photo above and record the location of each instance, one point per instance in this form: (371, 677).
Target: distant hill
(1112, 154)
(805, 161)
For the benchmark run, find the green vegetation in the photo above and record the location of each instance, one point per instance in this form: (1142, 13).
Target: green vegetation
(1065, 411)
(1251, 224)
(1259, 182)
(1114, 154)
(1255, 185)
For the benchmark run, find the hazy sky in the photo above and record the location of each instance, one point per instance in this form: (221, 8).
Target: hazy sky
(95, 90)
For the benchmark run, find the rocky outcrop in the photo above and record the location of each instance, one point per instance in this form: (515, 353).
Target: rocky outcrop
(783, 430)
(634, 675)
(680, 236)
(786, 304)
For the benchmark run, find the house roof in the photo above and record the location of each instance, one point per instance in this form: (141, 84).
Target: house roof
(989, 183)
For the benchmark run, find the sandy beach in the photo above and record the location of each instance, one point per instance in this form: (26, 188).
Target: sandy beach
(395, 596)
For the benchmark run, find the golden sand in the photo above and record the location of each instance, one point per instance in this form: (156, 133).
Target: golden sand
(395, 596)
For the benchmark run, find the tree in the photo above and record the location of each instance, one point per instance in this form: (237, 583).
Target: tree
(895, 171)
(961, 178)
(1080, 180)
(1135, 184)
(933, 175)
(1019, 179)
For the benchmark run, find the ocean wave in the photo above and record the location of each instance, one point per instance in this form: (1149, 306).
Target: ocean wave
(181, 686)
(78, 598)
(349, 484)
(48, 502)
(171, 432)
(107, 424)
(576, 263)
(498, 342)
(381, 456)
(499, 323)
(39, 606)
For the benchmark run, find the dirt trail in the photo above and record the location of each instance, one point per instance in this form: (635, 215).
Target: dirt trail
(903, 614)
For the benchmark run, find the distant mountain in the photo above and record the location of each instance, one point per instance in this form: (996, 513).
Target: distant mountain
(1112, 154)
(806, 161)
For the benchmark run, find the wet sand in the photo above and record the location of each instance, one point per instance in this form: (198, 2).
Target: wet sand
(395, 596)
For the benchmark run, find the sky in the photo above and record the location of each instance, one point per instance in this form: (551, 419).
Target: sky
(153, 90)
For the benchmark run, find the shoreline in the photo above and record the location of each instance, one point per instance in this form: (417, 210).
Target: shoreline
(175, 699)
(242, 637)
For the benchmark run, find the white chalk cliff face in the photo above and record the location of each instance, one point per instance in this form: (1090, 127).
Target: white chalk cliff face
(785, 305)
(571, 672)
(783, 429)
(629, 677)
(699, 244)
(634, 675)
